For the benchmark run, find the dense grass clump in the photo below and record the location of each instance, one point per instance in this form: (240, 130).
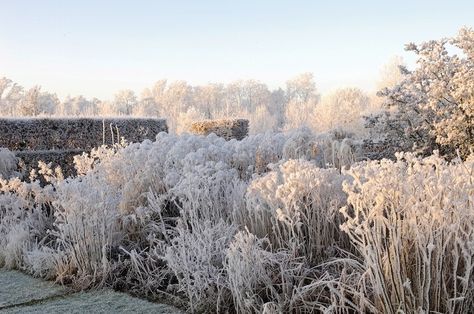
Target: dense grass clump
(277, 222)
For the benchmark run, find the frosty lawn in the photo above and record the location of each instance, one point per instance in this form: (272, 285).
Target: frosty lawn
(20, 293)
(17, 288)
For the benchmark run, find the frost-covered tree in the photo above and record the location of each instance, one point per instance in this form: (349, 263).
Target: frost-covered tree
(390, 74)
(48, 103)
(16, 101)
(80, 106)
(434, 104)
(302, 98)
(185, 119)
(245, 95)
(125, 101)
(173, 98)
(209, 99)
(146, 106)
(10, 96)
(343, 108)
(277, 106)
(301, 88)
(261, 120)
(299, 114)
(5, 83)
(29, 103)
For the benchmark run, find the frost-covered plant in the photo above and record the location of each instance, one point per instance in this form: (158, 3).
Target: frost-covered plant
(248, 270)
(207, 187)
(258, 278)
(412, 222)
(334, 286)
(44, 262)
(87, 161)
(342, 108)
(24, 219)
(63, 230)
(8, 163)
(433, 103)
(262, 279)
(196, 256)
(86, 231)
(334, 149)
(297, 207)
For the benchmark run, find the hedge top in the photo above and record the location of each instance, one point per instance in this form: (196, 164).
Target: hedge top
(19, 134)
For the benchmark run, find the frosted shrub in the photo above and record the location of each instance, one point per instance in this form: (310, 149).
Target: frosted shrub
(45, 262)
(122, 174)
(334, 149)
(23, 219)
(88, 161)
(248, 271)
(254, 153)
(431, 107)
(262, 279)
(16, 241)
(87, 229)
(8, 163)
(300, 144)
(412, 222)
(258, 278)
(269, 151)
(296, 206)
(72, 226)
(196, 258)
(208, 187)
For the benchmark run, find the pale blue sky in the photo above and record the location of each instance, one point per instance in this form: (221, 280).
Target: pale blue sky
(95, 48)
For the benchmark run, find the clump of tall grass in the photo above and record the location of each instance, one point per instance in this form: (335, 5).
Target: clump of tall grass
(24, 219)
(297, 207)
(412, 222)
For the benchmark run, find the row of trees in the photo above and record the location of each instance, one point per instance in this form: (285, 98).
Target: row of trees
(298, 103)
(15, 100)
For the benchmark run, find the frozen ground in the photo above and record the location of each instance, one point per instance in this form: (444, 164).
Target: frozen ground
(20, 293)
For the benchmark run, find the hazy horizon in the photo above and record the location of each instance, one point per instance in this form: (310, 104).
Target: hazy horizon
(95, 49)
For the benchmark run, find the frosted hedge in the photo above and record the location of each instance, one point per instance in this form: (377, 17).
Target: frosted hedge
(56, 141)
(74, 133)
(226, 128)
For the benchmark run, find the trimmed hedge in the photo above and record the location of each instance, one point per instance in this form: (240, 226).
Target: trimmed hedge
(58, 140)
(75, 133)
(226, 128)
